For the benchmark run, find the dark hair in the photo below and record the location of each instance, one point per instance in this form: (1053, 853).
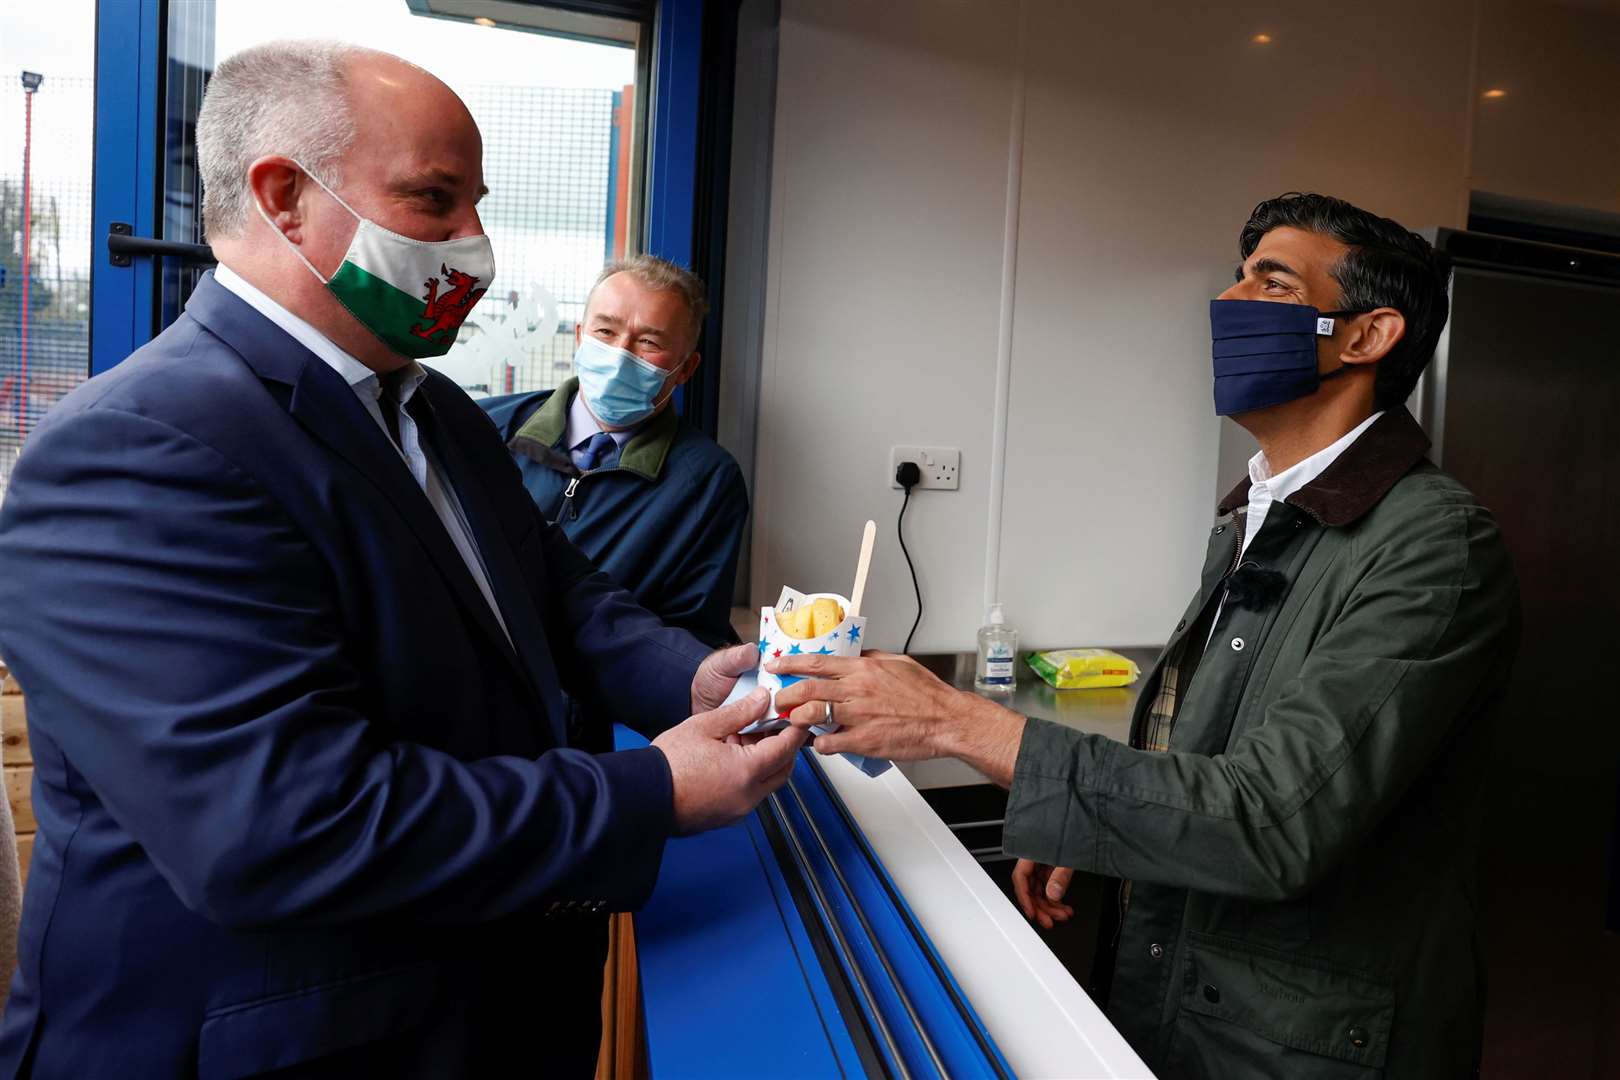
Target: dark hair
(1387, 266)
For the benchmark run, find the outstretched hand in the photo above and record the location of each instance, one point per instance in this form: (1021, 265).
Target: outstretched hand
(889, 706)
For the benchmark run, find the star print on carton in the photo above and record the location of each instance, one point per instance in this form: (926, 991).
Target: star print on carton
(804, 624)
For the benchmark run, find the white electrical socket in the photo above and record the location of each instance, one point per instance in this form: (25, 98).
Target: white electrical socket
(941, 466)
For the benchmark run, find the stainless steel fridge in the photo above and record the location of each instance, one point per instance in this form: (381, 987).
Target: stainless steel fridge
(1523, 404)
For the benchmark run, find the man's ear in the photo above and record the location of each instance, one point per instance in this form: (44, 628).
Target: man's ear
(688, 369)
(579, 329)
(277, 184)
(1371, 338)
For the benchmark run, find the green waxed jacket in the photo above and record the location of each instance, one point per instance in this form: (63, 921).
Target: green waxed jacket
(1302, 862)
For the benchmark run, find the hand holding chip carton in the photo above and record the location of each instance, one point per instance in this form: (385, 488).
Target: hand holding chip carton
(817, 624)
(810, 624)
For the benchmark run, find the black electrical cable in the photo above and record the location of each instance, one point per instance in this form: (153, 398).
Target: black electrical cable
(899, 529)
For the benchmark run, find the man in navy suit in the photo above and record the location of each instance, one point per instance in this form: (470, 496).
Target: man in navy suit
(296, 644)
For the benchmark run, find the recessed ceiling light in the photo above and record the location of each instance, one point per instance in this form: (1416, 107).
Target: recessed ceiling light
(1261, 39)
(484, 20)
(1495, 92)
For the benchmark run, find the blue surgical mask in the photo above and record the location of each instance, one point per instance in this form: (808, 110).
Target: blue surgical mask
(621, 388)
(1265, 352)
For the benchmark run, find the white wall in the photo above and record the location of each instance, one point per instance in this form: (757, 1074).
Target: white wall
(881, 311)
(1149, 133)
(1152, 131)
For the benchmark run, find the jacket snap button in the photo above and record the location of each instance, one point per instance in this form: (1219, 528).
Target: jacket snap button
(1180, 626)
(1212, 995)
(1156, 950)
(1237, 644)
(1358, 1037)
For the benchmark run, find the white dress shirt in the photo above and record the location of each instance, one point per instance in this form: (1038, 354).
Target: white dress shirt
(582, 425)
(367, 386)
(1266, 489)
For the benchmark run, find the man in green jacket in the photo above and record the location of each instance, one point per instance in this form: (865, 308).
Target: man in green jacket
(1297, 821)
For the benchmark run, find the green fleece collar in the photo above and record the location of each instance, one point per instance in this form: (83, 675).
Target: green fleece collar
(540, 437)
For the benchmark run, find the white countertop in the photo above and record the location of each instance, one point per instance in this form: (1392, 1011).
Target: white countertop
(1041, 1019)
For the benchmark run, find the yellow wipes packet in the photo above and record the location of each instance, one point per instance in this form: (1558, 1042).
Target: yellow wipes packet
(1083, 669)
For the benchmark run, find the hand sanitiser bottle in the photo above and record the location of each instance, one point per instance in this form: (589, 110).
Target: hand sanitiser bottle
(998, 654)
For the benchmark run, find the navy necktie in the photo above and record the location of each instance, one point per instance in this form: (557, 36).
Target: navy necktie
(388, 404)
(596, 453)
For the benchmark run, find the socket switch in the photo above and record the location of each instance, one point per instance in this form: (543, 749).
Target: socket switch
(941, 466)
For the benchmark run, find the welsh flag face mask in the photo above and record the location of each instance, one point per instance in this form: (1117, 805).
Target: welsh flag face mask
(413, 294)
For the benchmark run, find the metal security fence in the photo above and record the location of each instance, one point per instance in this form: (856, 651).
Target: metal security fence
(553, 165)
(556, 160)
(45, 349)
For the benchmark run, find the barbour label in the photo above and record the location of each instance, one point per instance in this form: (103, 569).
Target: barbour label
(1271, 989)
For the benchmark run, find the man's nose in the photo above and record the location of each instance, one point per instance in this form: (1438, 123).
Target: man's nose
(468, 225)
(1233, 292)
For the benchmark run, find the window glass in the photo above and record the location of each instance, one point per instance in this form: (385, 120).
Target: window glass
(47, 79)
(560, 160)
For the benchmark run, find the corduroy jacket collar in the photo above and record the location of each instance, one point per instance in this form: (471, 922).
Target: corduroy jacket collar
(1362, 475)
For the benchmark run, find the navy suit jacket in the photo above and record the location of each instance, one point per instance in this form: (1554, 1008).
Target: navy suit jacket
(301, 806)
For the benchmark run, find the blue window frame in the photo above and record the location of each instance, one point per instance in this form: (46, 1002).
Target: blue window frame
(672, 164)
(127, 149)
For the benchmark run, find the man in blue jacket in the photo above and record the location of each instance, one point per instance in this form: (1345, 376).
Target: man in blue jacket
(653, 501)
(297, 644)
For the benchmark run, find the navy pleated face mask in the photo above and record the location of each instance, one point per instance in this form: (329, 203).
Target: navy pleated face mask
(1265, 352)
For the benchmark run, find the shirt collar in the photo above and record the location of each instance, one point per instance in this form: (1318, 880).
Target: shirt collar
(1360, 477)
(582, 425)
(409, 378)
(360, 378)
(540, 437)
(1280, 486)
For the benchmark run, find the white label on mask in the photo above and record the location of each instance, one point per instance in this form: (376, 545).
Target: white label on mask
(1324, 327)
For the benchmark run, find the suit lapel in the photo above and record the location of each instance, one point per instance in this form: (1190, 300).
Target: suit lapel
(506, 578)
(332, 413)
(329, 410)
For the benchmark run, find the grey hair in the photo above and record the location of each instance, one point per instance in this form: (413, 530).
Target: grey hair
(659, 274)
(282, 97)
